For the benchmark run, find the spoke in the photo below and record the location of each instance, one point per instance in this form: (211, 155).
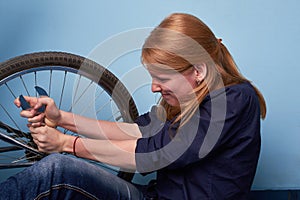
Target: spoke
(15, 165)
(84, 91)
(103, 106)
(11, 118)
(114, 114)
(25, 158)
(118, 117)
(10, 90)
(91, 102)
(6, 156)
(35, 82)
(20, 144)
(62, 90)
(24, 85)
(50, 83)
(9, 149)
(10, 130)
(76, 90)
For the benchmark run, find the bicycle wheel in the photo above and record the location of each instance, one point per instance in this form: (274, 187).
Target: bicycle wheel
(76, 84)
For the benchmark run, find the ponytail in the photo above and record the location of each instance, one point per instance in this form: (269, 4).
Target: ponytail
(231, 75)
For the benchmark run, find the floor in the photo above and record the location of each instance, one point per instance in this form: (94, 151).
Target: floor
(275, 195)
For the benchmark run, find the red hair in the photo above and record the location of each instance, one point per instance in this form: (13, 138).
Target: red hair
(181, 41)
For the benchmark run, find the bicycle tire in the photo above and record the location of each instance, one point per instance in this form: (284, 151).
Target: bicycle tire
(108, 81)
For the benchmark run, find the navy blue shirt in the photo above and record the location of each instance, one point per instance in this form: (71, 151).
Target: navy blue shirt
(212, 156)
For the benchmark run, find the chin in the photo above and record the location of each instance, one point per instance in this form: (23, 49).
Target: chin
(174, 103)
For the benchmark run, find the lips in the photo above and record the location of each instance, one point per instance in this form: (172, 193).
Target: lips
(166, 92)
(170, 99)
(166, 95)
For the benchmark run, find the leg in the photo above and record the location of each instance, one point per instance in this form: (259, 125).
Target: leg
(63, 177)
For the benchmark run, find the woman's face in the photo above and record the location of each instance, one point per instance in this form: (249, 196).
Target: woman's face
(174, 87)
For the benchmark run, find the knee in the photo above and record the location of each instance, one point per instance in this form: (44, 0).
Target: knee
(49, 168)
(53, 162)
(53, 159)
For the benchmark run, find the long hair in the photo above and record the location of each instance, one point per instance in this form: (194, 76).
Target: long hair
(182, 41)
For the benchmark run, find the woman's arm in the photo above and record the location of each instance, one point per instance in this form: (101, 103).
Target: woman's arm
(114, 152)
(90, 128)
(99, 129)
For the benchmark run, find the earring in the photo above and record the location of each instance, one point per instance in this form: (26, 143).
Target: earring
(198, 81)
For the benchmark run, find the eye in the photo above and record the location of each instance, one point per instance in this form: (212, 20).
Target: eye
(160, 79)
(163, 80)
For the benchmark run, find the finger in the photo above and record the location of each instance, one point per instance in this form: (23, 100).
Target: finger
(34, 137)
(43, 103)
(37, 118)
(28, 113)
(34, 125)
(42, 149)
(38, 105)
(32, 129)
(40, 130)
(35, 130)
(38, 144)
(44, 100)
(37, 124)
(17, 102)
(50, 123)
(31, 100)
(35, 141)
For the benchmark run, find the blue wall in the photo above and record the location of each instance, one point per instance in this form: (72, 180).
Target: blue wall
(263, 37)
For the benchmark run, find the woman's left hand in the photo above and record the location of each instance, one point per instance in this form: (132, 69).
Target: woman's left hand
(48, 139)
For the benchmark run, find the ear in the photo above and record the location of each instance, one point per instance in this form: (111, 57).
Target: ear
(200, 71)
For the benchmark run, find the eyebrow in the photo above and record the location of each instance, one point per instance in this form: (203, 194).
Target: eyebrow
(158, 77)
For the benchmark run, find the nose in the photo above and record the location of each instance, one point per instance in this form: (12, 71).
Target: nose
(155, 87)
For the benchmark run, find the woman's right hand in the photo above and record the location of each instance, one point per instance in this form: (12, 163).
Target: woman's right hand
(51, 116)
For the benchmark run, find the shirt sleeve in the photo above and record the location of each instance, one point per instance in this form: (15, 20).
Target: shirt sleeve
(220, 117)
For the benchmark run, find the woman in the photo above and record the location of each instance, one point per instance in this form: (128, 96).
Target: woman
(203, 139)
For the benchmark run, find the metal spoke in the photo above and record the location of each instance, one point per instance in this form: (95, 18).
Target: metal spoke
(35, 82)
(10, 90)
(103, 106)
(113, 115)
(6, 156)
(25, 158)
(76, 90)
(62, 90)
(11, 118)
(50, 83)
(84, 91)
(21, 77)
(91, 102)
